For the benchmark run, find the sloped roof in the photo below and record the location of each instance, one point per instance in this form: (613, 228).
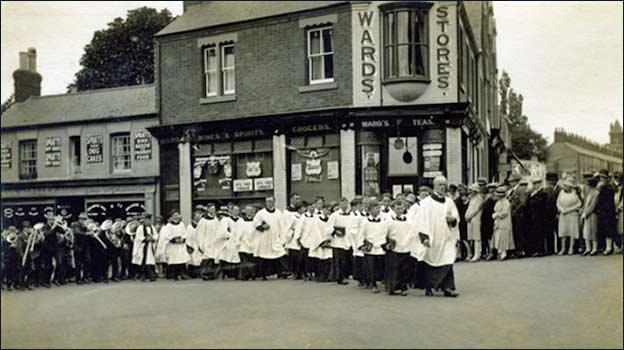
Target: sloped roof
(213, 13)
(82, 106)
(593, 154)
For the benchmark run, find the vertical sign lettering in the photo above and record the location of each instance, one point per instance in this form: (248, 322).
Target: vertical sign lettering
(443, 52)
(142, 145)
(95, 148)
(53, 152)
(369, 64)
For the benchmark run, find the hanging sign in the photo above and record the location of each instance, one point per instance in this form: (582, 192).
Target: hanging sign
(263, 183)
(95, 148)
(6, 155)
(243, 185)
(142, 145)
(53, 152)
(254, 169)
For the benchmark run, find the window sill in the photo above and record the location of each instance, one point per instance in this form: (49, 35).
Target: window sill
(217, 99)
(318, 87)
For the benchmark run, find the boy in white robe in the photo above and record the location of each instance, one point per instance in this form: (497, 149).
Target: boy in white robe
(228, 257)
(386, 211)
(320, 249)
(374, 231)
(398, 263)
(270, 245)
(438, 231)
(247, 233)
(144, 248)
(292, 226)
(174, 236)
(339, 222)
(207, 229)
(304, 241)
(358, 266)
(196, 256)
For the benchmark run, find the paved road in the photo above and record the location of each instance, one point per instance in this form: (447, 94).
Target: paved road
(552, 302)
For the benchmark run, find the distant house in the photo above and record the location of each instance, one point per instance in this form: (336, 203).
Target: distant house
(88, 151)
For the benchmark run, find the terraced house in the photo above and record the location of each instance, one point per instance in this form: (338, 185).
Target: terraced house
(330, 98)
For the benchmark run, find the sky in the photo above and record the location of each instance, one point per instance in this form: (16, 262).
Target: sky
(565, 58)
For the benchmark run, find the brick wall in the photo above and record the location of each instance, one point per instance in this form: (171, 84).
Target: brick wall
(270, 67)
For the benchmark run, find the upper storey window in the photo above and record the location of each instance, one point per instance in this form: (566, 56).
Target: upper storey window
(321, 55)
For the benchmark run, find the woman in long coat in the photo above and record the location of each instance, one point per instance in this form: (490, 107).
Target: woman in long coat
(503, 228)
(568, 204)
(590, 220)
(473, 217)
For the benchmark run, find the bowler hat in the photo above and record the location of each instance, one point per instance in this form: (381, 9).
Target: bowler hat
(552, 176)
(588, 175)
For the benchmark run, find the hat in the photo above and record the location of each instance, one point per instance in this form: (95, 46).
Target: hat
(482, 181)
(602, 173)
(474, 188)
(524, 181)
(513, 177)
(38, 226)
(411, 198)
(424, 189)
(83, 215)
(569, 181)
(588, 175)
(92, 226)
(131, 227)
(452, 186)
(49, 214)
(535, 179)
(106, 225)
(501, 191)
(117, 226)
(552, 176)
(461, 187)
(492, 185)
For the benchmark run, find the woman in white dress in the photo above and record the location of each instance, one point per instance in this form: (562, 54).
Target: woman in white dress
(503, 231)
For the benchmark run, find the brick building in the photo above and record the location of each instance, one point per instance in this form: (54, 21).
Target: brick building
(576, 154)
(87, 151)
(330, 98)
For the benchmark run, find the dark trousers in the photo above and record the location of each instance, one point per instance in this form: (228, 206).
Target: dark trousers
(308, 265)
(115, 257)
(209, 269)
(268, 267)
(228, 269)
(146, 271)
(126, 267)
(62, 258)
(294, 263)
(175, 270)
(519, 233)
(44, 265)
(398, 271)
(101, 262)
(339, 263)
(247, 266)
(439, 277)
(83, 264)
(12, 268)
(321, 269)
(374, 269)
(550, 236)
(359, 270)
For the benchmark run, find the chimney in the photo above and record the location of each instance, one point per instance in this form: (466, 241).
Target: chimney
(27, 82)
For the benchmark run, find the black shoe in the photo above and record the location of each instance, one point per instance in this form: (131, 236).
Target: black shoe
(47, 285)
(56, 283)
(343, 283)
(450, 293)
(115, 279)
(428, 292)
(105, 281)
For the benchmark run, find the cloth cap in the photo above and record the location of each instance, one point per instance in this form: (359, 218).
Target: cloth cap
(492, 185)
(552, 176)
(482, 181)
(106, 225)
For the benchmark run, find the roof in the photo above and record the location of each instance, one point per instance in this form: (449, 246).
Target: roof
(593, 154)
(214, 13)
(82, 106)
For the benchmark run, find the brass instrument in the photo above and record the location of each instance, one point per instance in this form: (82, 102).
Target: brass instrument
(35, 236)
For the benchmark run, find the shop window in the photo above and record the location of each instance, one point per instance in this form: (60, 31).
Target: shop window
(28, 159)
(320, 55)
(402, 156)
(121, 159)
(74, 153)
(371, 176)
(219, 70)
(406, 40)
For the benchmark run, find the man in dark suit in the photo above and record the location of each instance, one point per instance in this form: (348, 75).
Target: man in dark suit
(550, 214)
(605, 211)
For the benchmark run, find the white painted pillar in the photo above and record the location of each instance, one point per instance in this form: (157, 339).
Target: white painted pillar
(279, 172)
(347, 163)
(453, 155)
(186, 185)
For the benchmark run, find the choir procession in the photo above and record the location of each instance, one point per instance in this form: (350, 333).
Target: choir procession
(410, 241)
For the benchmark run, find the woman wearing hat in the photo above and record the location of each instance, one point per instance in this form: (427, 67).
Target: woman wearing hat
(590, 220)
(473, 217)
(503, 229)
(568, 205)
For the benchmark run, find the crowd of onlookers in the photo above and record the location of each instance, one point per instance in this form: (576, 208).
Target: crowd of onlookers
(524, 216)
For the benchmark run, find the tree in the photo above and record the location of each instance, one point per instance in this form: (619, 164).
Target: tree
(7, 104)
(123, 53)
(525, 142)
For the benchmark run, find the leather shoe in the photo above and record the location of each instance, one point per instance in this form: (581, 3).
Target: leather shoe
(428, 292)
(450, 293)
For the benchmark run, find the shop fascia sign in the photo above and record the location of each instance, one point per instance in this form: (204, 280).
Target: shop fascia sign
(382, 123)
(232, 135)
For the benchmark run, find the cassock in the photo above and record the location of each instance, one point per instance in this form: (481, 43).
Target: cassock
(231, 238)
(438, 259)
(175, 252)
(207, 230)
(143, 252)
(270, 243)
(196, 255)
(290, 220)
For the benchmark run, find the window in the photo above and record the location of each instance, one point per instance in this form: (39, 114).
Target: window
(219, 70)
(28, 159)
(121, 157)
(74, 153)
(320, 55)
(406, 43)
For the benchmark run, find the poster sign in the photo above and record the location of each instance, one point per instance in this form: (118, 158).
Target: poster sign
(6, 155)
(333, 171)
(243, 185)
(432, 159)
(263, 183)
(313, 167)
(295, 172)
(53, 152)
(254, 169)
(142, 145)
(95, 148)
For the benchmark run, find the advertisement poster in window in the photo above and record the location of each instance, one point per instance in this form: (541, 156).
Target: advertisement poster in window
(6, 155)
(243, 185)
(432, 159)
(53, 152)
(95, 148)
(263, 183)
(142, 145)
(370, 171)
(333, 171)
(296, 172)
(313, 170)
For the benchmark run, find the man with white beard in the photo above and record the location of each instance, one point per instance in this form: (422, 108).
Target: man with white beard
(269, 248)
(436, 224)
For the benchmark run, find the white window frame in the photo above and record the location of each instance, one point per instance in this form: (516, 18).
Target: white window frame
(320, 54)
(207, 71)
(114, 155)
(224, 68)
(29, 162)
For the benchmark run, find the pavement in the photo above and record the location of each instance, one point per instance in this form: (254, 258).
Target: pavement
(549, 302)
